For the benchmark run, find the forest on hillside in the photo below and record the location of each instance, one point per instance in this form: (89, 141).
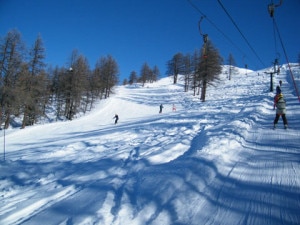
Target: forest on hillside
(28, 87)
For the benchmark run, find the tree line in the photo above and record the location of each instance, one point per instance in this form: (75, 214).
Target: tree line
(147, 75)
(28, 87)
(199, 69)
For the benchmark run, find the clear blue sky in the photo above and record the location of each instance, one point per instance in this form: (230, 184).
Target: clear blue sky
(134, 32)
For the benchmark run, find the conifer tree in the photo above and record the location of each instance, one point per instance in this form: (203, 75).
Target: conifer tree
(231, 63)
(175, 66)
(155, 73)
(34, 84)
(109, 74)
(187, 71)
(133, 77)
(11, 60)
(57, 90)
(76, 84)
(209, 67)
(125, 81)
(146, 74)
(195, 77)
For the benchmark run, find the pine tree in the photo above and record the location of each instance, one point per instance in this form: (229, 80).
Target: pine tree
(231, 63)
(187, 71)
(196, 82)
(209, 68)
(11, 61)
(76, 85)
(146, 74)
(155, 74)
(175, 66)
(133, 77)
(57, 90)
(109, 74)
(34, 85)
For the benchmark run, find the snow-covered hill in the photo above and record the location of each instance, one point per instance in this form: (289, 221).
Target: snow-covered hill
(217, 162)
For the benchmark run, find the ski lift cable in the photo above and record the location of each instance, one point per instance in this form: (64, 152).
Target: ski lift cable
(271, 8)
(236, 26)
(286, 57)
(275, 39)
(216, 27)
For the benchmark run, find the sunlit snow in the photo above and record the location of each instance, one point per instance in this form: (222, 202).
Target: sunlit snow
(213, 162)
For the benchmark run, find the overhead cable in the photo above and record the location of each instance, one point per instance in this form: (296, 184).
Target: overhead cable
(215, 26)
(286, 57)
(236, 26)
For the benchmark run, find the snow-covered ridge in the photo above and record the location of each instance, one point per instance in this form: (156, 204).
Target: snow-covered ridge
(217, 162)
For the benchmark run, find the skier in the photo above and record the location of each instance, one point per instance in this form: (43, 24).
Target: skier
(278, 90)
(174, 108)
(280, 83)
(279, 103)
(116, 117)
(160, 108)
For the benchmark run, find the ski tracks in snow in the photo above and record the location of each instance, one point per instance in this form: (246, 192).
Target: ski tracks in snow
(20, 212)
(255, 181)
(213, 162)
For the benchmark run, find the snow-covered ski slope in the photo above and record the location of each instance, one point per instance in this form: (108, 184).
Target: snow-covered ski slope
(213, 162)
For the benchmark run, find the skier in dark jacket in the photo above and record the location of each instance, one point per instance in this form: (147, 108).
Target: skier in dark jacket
(278, 90)
(279, 103)
(116, 118)
(160, 108)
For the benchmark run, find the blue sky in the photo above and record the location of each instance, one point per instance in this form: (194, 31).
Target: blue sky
(135, 32)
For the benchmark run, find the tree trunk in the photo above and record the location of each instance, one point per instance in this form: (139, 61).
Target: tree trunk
(203, 91)
(24, 118)
(175, 79)
(6, 124)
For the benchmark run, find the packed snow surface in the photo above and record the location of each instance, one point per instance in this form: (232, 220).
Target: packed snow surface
(212, 162)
